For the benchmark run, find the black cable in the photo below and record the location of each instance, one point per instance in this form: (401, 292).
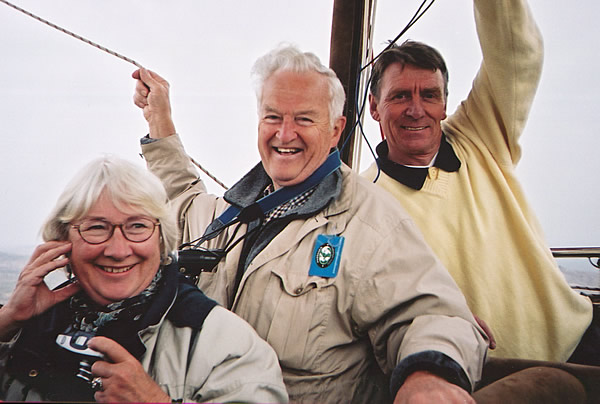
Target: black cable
(416, 17)
(360, 110)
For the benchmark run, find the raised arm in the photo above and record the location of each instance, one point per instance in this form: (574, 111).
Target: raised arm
(167, 159)
(498, 105)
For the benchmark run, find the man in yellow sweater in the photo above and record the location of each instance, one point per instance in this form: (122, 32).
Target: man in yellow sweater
(456, 176)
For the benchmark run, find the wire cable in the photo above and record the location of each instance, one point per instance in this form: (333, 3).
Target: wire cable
(360, 107)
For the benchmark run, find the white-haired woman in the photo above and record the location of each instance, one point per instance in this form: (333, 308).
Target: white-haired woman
(126, 326)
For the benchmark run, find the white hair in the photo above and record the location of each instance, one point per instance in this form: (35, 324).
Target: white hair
(125, 184)
(289, 58)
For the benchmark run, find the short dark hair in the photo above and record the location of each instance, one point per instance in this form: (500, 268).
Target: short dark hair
(411, 53)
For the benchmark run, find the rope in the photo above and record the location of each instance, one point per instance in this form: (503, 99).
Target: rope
(212, 177)
(102, 48)
(125, 58)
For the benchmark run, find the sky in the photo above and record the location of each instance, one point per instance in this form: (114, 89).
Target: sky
(63, 102)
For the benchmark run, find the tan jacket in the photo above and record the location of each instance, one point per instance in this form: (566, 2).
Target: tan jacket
(229, 363)
(391, 298)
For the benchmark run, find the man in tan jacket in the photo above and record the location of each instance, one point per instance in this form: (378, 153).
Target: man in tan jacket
(327, 267)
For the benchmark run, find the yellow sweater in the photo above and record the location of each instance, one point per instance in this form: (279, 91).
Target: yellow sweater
(477, 219)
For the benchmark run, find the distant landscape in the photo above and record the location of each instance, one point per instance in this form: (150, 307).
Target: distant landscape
(10, 267)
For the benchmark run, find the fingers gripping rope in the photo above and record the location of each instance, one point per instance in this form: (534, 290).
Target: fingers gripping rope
(102, 48)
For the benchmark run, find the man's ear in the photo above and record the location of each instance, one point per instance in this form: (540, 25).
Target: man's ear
(338, 129)
(373, 107)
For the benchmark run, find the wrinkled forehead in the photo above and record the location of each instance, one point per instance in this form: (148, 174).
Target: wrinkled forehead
(406, 76)
(300, 91)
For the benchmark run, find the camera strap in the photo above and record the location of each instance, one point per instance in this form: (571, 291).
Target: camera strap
(267, 203)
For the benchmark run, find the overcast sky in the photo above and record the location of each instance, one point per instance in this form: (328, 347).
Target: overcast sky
(63, 102)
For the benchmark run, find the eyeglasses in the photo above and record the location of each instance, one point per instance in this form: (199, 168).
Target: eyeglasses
(97, 231)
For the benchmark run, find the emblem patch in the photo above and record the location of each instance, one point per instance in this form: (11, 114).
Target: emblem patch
(326, 256)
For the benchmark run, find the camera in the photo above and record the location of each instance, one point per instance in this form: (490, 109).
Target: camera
(76, 341)
(192, 262)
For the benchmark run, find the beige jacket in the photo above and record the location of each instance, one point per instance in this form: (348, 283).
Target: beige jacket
(391, 298)
(227, 362)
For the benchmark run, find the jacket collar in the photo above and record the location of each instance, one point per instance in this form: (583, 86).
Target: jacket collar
(415, 177)
(250, 188)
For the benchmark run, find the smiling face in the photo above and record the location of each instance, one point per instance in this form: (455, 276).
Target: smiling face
(294, 130)
(118, 268)
(409, 109)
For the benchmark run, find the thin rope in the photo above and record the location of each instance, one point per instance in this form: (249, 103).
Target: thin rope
(94, 44)
(212, 177)
(102, 48)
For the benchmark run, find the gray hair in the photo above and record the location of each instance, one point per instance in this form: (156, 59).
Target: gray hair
(290, 58)
(125, 184)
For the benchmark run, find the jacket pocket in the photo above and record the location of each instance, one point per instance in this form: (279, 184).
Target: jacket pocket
(300, 316)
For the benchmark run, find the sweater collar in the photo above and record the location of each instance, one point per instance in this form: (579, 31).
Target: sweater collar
(414, 177)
